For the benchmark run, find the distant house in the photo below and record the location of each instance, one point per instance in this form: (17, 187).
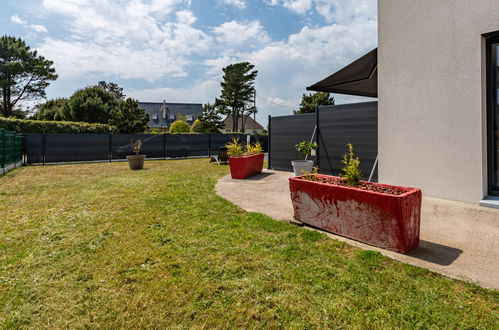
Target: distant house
(162, 114)
(250, 125)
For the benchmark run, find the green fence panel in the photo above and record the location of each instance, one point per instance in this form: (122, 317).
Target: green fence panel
(11, 148)
(2, 148)
(19, 148)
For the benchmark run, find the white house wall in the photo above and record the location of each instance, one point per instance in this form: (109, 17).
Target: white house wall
(431, 88)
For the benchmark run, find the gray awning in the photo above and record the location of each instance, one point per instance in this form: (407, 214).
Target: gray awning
(358, 78)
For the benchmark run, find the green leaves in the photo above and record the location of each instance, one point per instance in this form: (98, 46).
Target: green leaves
(305, 147)
(310, 101)
(180, 126)
(351, 169)
(23, 73)
(238, 91)
(97, 104)
(54, 127)
(209, 122)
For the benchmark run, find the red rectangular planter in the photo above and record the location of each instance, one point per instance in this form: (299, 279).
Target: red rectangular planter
(246, 166)
(383, 220)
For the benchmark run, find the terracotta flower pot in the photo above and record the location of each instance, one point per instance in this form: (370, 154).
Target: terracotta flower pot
(246, 166)
(136, 162)
(384, 220)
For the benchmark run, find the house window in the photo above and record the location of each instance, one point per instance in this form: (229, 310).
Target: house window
(188, 117)
(172, 117)
(155, 117)
(493, 113)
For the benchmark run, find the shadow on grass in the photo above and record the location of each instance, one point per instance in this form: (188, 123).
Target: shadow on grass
(436, 253)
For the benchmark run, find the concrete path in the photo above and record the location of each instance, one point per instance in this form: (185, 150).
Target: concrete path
(458, 240)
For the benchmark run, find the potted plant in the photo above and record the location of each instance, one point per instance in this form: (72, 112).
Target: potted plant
(244, 161)
(307, 149)
(136, 162)
(382, 215)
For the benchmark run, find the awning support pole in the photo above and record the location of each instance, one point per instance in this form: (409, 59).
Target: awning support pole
(374, 167)
(312, 139)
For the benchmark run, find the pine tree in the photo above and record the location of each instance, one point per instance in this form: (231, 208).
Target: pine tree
(311, 101)
(24, 74)
(237, 91)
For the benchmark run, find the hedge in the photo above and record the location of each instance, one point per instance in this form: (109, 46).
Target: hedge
(54, 127)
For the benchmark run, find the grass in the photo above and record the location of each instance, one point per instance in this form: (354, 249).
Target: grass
(99, 246)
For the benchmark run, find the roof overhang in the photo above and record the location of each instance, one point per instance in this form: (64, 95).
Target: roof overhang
(358, 78)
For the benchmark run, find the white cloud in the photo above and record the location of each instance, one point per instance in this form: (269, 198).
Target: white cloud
(186, 17)
(154, 40)
(287, 67)
(39, 28)
(18, 20)
(299, 6)
(237, 3)
(247, 34)
(130, 39)
(332, 10)
(36, 27)
(206, 91)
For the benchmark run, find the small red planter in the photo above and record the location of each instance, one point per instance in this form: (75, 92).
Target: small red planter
(246, 166)
(383, 220)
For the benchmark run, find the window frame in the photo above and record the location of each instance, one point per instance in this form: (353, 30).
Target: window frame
(491, 96)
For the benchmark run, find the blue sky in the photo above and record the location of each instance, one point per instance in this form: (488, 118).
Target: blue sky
(176, 49)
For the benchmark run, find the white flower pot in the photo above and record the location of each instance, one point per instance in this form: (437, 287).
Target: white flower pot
(301, 166)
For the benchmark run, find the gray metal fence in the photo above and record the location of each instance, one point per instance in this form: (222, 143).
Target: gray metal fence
(53, 148)
(338, 125)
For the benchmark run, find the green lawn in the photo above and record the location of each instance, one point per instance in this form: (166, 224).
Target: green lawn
(98, 245)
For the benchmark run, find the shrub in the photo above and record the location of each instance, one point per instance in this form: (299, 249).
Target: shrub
(306, 148)
(351, 170)
(180, 126)
(253, 149)
(137, 146)
(235, 148)
(197, 127)
(54, 127)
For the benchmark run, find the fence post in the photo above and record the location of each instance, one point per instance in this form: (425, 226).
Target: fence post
(110, 148)
(2, 141)
(164, 145)
(25, 155)
(317, 139)
(269, 166)
(44, 147)
(209, 145)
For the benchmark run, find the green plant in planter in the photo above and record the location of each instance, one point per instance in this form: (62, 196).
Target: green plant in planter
(137, 146)
(351, 170)
(253, 149)
(311, 176)
(235, 148)
(306, 148)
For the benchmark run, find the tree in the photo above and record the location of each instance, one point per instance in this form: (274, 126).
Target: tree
(112, 88)
(96, 105)
(128, 117)
(197, 127)
(310, 101)
(180, 126)
(92, 105)
(24, 74)
(209, 122)
(237, 91)
(56, 109)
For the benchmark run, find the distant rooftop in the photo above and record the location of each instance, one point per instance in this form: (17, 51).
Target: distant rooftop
(158, 120)
(249, 123)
